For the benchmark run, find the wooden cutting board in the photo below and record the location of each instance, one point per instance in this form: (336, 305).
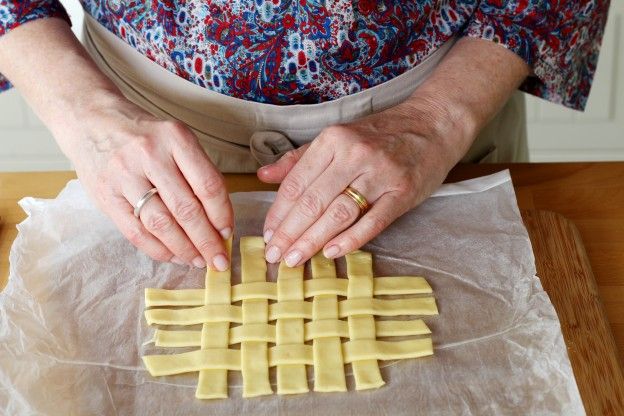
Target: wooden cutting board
(567, 277)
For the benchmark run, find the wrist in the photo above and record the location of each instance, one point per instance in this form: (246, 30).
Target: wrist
(83, 92)
(466, 90)
(76, 111)
(447, 122)
(98, 122)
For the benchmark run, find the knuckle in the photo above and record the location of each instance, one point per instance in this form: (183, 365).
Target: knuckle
(308, 244)
(340, 213)
(121, 165)
(161, 254)
(187, 210)
(362, 149)
(292, 188)
(311, 205)
(291, 156)
(404, 184)
(174, 126)
(143, 141)
(186, 253)
(351, 242)
(221, 222)
(148, 147)
(284, 237)
(136, 236)
(158, 222)
(182, 136)
(389, 163)
(333, 131)
(272, 220)
(206, 245)
(211, 187)
(375, 224)
(104, 188)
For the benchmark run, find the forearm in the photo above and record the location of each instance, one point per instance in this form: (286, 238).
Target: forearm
(51, 69)
(465, 91)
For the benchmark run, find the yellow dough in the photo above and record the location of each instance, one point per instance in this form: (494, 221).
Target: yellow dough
(289, 324)
(212, 383)
(392, 285)
(327, 351)
(292, 309)
(362, 326)
(291, 378)
(254, 354)
(314, 330)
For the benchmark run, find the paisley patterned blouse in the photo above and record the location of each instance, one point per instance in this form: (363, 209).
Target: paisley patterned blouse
(310, 51)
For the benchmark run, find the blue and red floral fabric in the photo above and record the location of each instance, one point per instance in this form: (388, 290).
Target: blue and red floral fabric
(310, 51)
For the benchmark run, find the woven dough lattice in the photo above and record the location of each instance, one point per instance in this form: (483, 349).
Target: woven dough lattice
(290, 324)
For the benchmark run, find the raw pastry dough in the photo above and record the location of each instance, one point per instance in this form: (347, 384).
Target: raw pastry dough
(394, 285)
(212, 383)
(327, 350)
(292, 309)
(291, 378)
(275, 334)
(254, 354)
(362, 327)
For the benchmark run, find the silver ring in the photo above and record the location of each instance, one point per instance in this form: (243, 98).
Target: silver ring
(146, 197)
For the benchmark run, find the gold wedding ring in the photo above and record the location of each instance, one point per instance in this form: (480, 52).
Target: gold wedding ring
(358, 198)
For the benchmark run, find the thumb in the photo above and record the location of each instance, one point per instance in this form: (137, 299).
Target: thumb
(277, 171)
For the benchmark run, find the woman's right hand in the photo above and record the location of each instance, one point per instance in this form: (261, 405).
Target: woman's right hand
(120, 152)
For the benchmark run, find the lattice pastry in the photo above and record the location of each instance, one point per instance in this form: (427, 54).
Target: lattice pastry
(277, 319)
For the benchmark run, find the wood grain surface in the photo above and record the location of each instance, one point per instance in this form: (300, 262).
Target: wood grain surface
(565, 273)
(591, 195)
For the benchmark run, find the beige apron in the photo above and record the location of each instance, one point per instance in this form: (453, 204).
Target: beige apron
(240, 135)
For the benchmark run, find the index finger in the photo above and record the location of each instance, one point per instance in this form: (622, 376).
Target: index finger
(307, 169)
(206, 182)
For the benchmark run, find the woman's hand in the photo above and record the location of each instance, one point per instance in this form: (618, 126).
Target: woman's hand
(394, 158)
(120, 152)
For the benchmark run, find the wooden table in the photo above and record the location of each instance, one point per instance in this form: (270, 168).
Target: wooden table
(591, 195)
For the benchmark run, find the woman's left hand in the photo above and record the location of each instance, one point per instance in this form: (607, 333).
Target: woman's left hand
(395, 159)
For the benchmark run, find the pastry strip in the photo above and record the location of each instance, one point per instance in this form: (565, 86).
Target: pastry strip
(327, 352)
(291, 378)
(212, 384)
(362, 327)
(215, 359)
(325, 328)
(394, 285)
(254, 354)
(292, 309)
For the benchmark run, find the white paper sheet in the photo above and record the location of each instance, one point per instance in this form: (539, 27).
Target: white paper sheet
(72, 328)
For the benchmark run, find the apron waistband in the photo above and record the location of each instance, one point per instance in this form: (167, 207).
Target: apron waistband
(241, 135)
(266, 131)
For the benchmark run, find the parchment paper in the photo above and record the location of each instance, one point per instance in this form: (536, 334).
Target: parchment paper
(72, 328)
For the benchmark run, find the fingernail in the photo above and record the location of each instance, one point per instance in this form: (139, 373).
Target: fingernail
(226, 233)
(220, 262)
(199, 262)
(293, 258)
(273, 254)
(177, 260)
(267, 235)
(331, 251)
